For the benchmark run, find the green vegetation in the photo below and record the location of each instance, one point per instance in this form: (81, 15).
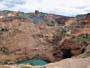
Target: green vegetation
(7, 60)
(6, 11)
(50, 24)
(4, 50)
(63, 32)
(3, 30)
(82, 38)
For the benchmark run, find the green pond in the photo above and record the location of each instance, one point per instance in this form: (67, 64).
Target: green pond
(34, 62)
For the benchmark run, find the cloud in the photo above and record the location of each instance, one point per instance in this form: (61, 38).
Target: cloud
(7, 4)
(61, 7)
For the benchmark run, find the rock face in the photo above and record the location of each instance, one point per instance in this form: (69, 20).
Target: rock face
(81, 61)
(71, 63)
(25, 40)
(82, 25)
(67, 49)
(86, 53)
(21, 39)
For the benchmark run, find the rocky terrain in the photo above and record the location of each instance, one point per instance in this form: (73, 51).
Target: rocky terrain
(48, 36)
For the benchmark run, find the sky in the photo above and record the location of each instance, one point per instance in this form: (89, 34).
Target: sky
(60, 7)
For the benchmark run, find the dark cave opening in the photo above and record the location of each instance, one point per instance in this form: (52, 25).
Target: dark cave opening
(66, 53)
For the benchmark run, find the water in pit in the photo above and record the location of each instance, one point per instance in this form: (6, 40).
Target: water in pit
(34, 62)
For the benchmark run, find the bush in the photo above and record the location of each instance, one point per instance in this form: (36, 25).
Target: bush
(82, 38)
(4, 50)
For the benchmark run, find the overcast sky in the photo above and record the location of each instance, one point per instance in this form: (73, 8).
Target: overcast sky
(61, 7)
